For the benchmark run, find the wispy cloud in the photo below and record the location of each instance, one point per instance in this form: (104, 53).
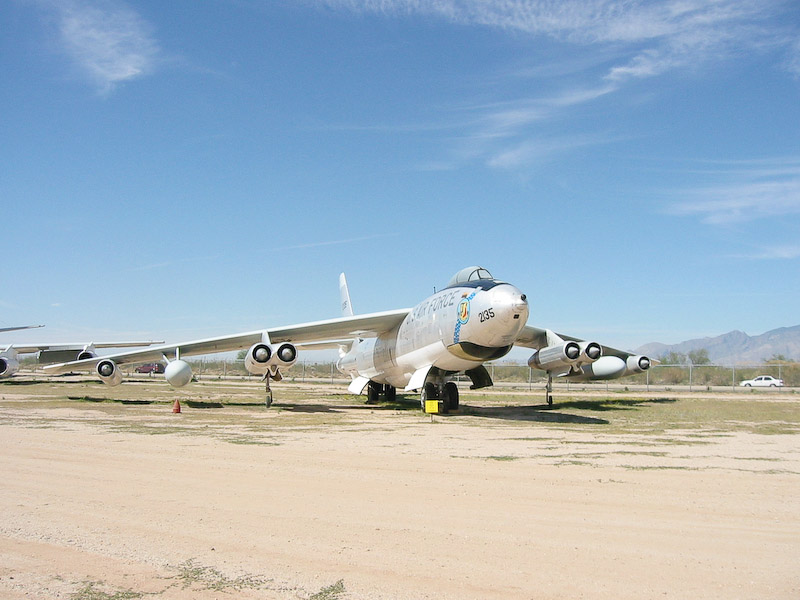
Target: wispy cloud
(173, 262)
(108, 41)
(637, 39)
(748, 191)
(539, 150)
(785, 252)
(660, 35)
(337, 242)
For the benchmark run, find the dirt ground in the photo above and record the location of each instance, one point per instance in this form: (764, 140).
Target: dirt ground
(106, 494)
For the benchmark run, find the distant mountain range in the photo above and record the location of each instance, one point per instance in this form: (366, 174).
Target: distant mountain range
(736, 347)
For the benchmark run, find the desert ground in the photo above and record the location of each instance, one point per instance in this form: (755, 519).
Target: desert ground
(108, 494)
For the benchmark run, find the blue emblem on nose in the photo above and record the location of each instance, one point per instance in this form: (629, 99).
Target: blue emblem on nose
(463, 315)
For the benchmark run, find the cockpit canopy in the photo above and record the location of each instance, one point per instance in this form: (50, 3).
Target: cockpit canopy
(468, 275)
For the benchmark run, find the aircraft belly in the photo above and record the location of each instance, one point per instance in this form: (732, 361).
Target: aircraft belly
(433, 354)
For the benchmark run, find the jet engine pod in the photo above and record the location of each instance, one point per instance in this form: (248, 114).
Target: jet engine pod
(286, 355)
(258, 359)
(178, 373)
(638, 364)
(8, 366)
(555, 357)
(262, 358)
(109, 372)
(590, 351)
(84, 354)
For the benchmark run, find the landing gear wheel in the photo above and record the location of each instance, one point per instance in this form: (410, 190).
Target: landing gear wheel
(549, 399)
(450, 396)
(428, 393)
(373, 391)
(268, 399)
(390, 392)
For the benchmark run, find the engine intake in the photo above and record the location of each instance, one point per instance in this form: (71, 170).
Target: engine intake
(637, 364)
(8, 366)
(590, 351)
(109, 372)
(557, 357)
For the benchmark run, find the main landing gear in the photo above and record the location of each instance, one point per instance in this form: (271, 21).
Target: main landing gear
(549, 389)
(374, 391)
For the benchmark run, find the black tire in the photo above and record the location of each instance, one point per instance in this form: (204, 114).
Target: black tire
(428, 393)
(451, 396)
(390, 392)
(373, 392)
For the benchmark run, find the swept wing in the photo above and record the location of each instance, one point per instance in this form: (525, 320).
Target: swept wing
(536, 339)
(2, 329)
(39, 346)
(315, 335)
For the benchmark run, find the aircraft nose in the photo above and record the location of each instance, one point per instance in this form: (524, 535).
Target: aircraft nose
(511, 306)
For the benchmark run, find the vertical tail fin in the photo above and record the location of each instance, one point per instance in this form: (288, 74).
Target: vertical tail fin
(347, 307)
(347, 311)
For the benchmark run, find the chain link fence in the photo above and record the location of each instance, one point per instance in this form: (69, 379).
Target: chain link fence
(683, 376)
(665, 377)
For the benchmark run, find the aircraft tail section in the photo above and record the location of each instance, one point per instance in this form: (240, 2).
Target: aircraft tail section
(347, 311)
(344, 293)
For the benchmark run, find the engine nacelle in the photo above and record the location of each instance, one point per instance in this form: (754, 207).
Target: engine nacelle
(8, 366)
(268, 358)
(590, 351)
(637, 364)
(557, 357)
(257, 360)
(178, 373)
(109, 372)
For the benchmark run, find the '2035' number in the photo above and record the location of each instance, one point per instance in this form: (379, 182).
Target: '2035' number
(485, 315)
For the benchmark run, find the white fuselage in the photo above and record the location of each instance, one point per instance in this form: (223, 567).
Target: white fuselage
(454, 330)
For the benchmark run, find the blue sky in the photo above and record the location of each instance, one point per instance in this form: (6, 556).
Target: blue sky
(176, 170)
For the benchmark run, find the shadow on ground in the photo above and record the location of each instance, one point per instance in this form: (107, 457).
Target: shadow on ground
(554, 414)
(95, 399)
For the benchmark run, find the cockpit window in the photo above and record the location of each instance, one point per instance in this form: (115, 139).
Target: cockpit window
(470, 274)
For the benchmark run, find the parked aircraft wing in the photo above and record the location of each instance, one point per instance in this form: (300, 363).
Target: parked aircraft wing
(36, 347)
(306, 334)
(371, 325)
(535, 338)
(2, 329)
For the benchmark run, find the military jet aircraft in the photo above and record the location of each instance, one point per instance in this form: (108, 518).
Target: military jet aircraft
(474, 319)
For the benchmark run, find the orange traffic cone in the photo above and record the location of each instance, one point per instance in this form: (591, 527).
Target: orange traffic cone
(176, 408)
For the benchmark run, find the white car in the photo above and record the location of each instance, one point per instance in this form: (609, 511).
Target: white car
(762, 381)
